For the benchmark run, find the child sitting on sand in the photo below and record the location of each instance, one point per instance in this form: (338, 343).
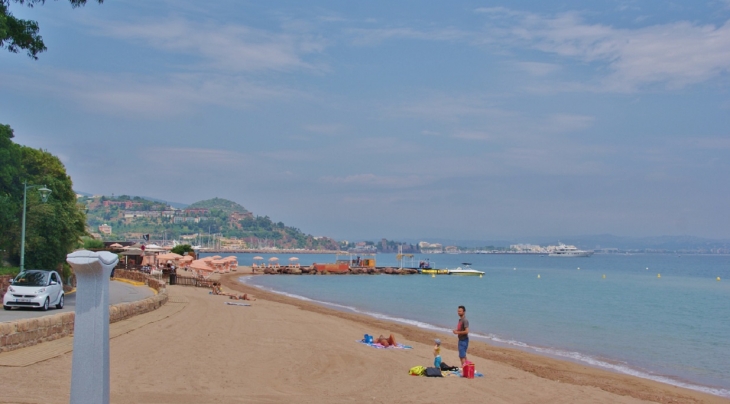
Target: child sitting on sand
(216, 289)
(437, 354)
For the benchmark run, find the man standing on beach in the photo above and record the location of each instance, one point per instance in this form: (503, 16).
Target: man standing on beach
(462, 331)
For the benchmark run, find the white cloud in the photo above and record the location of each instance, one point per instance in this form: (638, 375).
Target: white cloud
(326, 128)
(371, 36)
(538, 69)
(445, 107)
(568, 122)
(147, 96)
(229, 47)
(676, 54)
(372, 180)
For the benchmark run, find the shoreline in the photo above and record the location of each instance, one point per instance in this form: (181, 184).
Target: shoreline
(606, 364)
(542, 365)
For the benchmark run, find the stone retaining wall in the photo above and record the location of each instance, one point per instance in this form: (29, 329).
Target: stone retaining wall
(137, 276)
(31, 331)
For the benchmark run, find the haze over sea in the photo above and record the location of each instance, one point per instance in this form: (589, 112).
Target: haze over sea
(673, 329)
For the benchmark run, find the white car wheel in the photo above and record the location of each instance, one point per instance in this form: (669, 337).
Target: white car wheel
(46, 304)
(60, 303)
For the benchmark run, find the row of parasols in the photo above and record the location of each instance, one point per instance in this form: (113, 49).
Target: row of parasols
(208, 266)
(274, 262)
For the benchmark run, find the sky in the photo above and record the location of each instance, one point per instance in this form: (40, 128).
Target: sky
(410, 119)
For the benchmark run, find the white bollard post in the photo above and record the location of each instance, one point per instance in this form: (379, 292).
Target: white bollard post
(90, 364)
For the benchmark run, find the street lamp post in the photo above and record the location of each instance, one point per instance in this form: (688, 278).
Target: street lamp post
(44, 197)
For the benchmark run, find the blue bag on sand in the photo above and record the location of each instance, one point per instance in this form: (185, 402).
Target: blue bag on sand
(368, 339)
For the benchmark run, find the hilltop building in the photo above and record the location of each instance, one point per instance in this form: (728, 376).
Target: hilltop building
(105, 229)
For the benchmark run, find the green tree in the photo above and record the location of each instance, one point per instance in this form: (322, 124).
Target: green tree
(182, 249)
(92, 244)
(10, 187)
(54, 228)
(16, 34)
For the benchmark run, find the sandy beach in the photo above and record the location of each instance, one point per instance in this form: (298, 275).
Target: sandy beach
(285, 350)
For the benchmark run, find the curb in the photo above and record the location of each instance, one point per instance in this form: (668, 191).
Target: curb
(134, 283)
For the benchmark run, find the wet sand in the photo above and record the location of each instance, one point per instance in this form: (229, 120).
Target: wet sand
(282, 350)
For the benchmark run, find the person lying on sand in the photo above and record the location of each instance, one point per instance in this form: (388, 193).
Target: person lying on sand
(244, 296)
(386, 342)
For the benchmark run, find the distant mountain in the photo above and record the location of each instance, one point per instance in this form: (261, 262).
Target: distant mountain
(220, 204)
(177, 205)
(598, 241)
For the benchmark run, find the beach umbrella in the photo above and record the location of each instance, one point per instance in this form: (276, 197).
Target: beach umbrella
(200, 266)
(216, 257)
(207, 259)
(293, 259)
(187, 258)
(258, 258)
(169, 256)
(273, 259)
(116, 245)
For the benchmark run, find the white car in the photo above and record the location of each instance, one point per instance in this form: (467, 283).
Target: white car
(34, 288)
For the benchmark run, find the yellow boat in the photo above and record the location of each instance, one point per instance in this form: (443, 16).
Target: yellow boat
(435, 271)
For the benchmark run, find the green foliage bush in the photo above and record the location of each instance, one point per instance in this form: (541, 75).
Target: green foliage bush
(182, 249)
(92, 243)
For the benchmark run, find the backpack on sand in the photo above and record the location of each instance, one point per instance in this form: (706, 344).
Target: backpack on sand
(417, 371)
(433, 372)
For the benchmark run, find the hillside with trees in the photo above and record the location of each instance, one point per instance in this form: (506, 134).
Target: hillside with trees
(226, 221)
(219, 204)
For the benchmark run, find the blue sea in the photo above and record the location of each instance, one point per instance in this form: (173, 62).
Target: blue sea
(674, 328)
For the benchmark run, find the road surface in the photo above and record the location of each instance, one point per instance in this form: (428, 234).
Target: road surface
(119, 292)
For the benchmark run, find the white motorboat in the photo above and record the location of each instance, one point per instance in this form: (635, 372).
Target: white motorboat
(569, 251)
(467, 270)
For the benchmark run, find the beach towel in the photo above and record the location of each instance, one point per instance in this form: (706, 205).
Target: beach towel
(379, 346)
(237, 304)
(456, 373)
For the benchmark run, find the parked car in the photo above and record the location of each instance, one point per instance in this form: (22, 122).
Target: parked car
(35, 288)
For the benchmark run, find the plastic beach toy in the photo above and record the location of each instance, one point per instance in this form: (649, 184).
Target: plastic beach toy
(468, 370)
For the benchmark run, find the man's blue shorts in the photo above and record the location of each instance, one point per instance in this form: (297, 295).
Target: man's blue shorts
(463, 345)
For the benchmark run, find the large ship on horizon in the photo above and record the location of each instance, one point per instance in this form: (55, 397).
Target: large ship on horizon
(569, 251)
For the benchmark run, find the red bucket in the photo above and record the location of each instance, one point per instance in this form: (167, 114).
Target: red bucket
(468, 370)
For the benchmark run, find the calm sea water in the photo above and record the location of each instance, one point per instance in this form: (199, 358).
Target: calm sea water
(675, 329)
